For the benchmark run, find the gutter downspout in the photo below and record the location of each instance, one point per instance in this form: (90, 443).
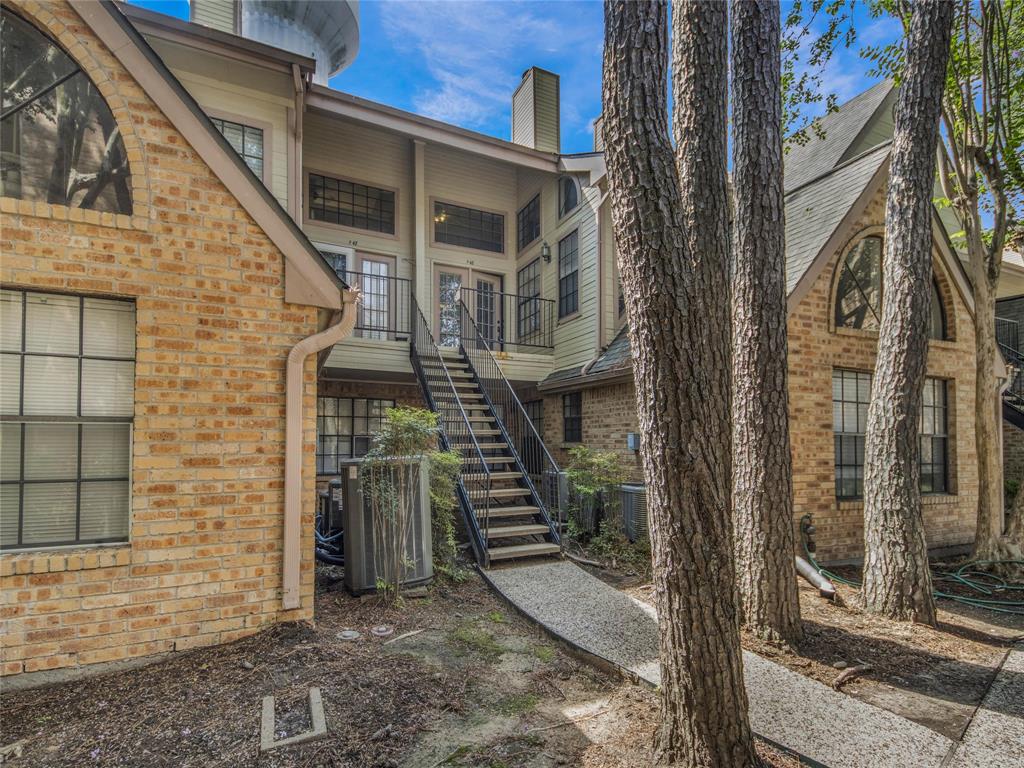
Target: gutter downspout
(297, 356)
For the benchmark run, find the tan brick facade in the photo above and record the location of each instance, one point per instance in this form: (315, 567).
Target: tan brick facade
(815, 349)
(1013, 452)
(213, 331)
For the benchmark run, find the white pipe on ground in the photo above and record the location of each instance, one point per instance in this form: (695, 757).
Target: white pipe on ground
(293, 445)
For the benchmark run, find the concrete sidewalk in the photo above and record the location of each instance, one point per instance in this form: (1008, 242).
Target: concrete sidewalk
(828, 727)
(995, 737)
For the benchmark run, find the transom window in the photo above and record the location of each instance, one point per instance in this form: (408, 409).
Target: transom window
(245, 140)
(568, 195)
(469, 227)
(528, 300)
(859, 291)
(67, 398)
(348, 204)
(60, 142)
(568, 274)
(572, 417)
(528, 223)
(345, 427)
(851, 395)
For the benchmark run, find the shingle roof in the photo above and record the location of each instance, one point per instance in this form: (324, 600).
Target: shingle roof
(616, 356)
(817, 156)
(814, 211)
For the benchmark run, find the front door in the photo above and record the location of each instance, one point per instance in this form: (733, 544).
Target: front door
(488, 308)
(448, 285)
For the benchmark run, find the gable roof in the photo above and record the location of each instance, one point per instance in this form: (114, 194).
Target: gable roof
(840, 130)
(309, 279)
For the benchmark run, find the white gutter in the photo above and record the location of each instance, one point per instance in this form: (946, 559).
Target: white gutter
(293, 445)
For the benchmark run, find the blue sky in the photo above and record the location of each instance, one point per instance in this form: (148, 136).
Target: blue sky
(460, 61)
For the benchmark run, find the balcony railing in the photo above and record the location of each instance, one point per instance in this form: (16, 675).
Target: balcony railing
(385, 308)
(1008, 333)
(509, 322)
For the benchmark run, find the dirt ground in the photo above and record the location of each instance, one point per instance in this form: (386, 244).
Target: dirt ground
(933, 676)
(474, 686)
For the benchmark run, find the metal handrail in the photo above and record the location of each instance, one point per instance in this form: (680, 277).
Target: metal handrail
(397, 322)
(443, 399)
(506, 308)
(1008, 333)
(498, 391)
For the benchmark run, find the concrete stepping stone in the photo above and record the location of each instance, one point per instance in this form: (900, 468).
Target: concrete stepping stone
(995, 737)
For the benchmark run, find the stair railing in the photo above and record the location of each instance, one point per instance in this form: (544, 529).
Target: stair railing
(540, 471)
(443, 399)
(1016, 388)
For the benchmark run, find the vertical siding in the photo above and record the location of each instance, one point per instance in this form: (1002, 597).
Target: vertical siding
(545, 111)
(522, 113)
(219, 14)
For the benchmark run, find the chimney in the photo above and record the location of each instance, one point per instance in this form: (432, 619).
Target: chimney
(535, 111)
(599, 134)
(219, 14)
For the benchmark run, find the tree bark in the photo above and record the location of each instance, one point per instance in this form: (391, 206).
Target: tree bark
(897, 580)
(669, 215)
(762, 489)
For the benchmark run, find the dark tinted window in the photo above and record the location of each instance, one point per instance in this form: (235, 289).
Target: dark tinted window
(349, 204)
(469, 227)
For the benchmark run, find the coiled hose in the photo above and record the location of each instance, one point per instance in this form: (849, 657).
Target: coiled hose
(967, 575)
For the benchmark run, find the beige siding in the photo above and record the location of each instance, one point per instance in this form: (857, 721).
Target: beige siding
(546, 124)
(371, 355)
(219, 14)
(359, 153)
(522, 113)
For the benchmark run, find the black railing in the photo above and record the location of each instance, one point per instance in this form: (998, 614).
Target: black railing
(474, 486)
(540, 470)
(1015, 391)
(1008, 334)
(511, 323)
(385, 309)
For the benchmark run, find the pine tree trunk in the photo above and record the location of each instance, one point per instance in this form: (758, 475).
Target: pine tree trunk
(677, 301)
(762, 490)
(897, 580)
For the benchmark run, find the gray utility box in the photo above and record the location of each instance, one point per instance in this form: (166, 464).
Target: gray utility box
(634, 511)
(360, 539)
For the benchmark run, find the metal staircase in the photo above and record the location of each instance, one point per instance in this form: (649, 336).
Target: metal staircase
(505, 515)
(1013, 395)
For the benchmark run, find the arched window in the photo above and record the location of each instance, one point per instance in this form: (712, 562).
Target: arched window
(59, 142)
(568, 195)
(859, 291)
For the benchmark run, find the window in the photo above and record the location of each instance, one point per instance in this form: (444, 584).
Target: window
(568, 195)
(337, 260)
(60, 143)
(67, 398)
(348, 204)
(934, 437)
(245, 140)
(528, 301)
(851, 394)
(572, 417)
(859, 292)
(528, 223)
(568, 274)
(469, 227)
(345, 427)
(535, 413)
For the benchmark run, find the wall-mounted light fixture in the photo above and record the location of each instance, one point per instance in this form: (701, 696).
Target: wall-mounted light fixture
(545, 252)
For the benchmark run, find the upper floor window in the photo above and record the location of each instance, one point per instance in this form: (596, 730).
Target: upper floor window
(528, 305)
(859, 291)
(349, 204)
(569, 274)
(568, 195)
(67, 398)
(59, 142)
(528, 223)
(469, 227)
(246, 140)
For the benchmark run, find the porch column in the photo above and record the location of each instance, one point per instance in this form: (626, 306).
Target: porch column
(421, 271)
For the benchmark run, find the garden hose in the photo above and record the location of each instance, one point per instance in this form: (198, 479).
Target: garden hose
(967, 575)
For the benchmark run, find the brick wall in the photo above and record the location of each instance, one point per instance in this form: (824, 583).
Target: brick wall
(815, 348)
(213, 331)
(1013, 452)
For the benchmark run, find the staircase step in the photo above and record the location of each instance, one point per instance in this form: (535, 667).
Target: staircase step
(522, 550)
(478, 419)
(494, 475)
(491, 459)
(486, 431)
(483, 447)
(499, 493)
(505, 531)
(513, 510)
